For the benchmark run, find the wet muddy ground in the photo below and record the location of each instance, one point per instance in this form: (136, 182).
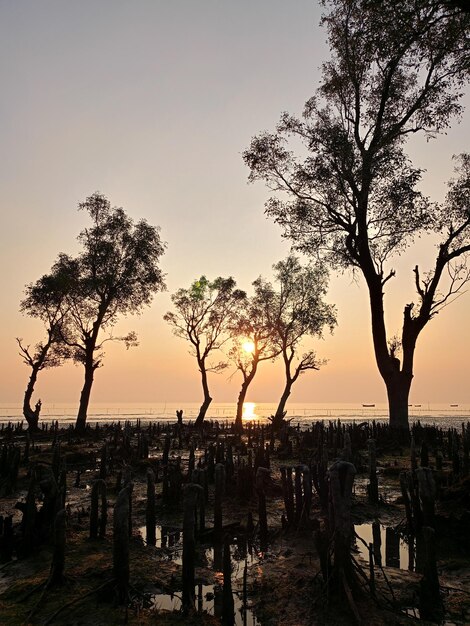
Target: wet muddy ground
(279, 583)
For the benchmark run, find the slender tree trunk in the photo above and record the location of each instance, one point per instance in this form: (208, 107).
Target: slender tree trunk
(207, 396)
(240, 401)
(279, 415)
(80, 423)
(30, 415)
(247, 378)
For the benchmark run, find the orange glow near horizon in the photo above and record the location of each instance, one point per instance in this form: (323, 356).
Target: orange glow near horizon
(249, 411)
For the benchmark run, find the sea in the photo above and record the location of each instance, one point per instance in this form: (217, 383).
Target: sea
(303, 414)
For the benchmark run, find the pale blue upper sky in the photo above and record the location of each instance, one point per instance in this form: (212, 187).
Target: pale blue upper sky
(152, 103)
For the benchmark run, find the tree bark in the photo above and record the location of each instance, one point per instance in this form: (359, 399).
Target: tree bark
(240, 402)
(398, 391)
(80, 424)
(207, 397)
(279, 415)
(397, 381)
(242, 395)
(30, 415)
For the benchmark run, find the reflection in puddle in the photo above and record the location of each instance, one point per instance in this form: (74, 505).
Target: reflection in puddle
(209, 597)
(171, 540)
(208, 600)
(390, 549)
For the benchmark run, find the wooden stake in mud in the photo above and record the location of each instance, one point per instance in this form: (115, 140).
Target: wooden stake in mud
(130, 485)
(406, 501)
(347, 450)
(392, 548)
(218, 496)
(307, 484)
(299, 501)
(427, 494)
(373, 487)
(150, 512)
(121, 543)
(341, 479)
(430, 602)
(377, 538)
(414, 460)
(58, 557)
(29, 517)
(228, 608)
(191, 495)
(288, 493)
(98, 524)
(262, 477)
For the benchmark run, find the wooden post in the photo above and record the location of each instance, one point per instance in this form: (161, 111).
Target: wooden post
(307, 484)
(406, 501)
(430, 601)
(427, 494)
(218, 497)
(392, 548)
(191, 495)
(377, 538)
(262, 476)
(347, 450)
(341, 479)
(150, 512)
(97, 524)
(373, 487)
(228, 609)
(121, 543)
(414, 461)
(299, 501)
(128, 483)
(58, 556)
(371, 569)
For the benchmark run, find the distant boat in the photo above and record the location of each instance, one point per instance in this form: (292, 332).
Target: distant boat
(454, 405)
(417, 405)
(368, 405)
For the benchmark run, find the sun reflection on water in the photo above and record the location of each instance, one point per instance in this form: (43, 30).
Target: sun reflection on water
(249, 411)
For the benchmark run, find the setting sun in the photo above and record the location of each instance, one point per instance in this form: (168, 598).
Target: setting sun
(248, 346)
(249, 410)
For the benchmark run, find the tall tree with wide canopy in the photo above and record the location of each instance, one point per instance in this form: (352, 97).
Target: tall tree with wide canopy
(45, 300)
(295, 309)
(116, 274)
(396, 69)
(204, 315)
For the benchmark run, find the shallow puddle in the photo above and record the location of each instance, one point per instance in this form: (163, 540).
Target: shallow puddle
(208, 597)
(390, 548)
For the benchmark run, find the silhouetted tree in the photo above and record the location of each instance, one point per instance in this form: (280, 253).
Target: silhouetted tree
(116, 274)
(45, 300)
(296, 310)
(397, 69)
(253, 342)
(204, 315)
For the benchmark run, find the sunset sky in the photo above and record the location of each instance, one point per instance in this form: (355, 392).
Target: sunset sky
(152, 103)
